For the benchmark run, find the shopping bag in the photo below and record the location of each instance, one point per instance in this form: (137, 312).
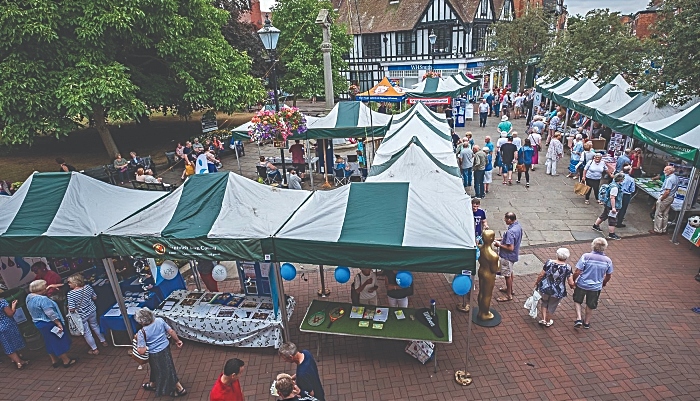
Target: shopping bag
(421, 350)
(75, 324)
(134, 353)
(581, 189)
(531, 303)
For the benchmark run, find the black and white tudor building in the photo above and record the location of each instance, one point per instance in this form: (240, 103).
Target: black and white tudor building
(391, 38)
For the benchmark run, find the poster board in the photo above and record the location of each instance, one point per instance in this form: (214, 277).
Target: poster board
(254, 277)
(692, 234)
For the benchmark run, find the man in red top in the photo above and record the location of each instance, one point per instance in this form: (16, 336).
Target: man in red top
(53, 280)
(228, 387)
(297, 151)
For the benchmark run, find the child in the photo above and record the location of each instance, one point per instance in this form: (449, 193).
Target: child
(479, 217)
(366, 285)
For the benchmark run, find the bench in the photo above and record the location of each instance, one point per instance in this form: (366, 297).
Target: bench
(172, 158)
(147, 186)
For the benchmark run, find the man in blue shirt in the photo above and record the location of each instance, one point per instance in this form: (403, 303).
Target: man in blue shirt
(508, 252)
(307, 377)
(663, 205)
(628, 187)
(622, 160)
(593, 271)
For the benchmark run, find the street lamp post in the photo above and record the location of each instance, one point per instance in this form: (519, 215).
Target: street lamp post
(269, 36)
(432, 38)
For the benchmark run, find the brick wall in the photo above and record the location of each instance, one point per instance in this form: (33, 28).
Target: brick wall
(642, 25)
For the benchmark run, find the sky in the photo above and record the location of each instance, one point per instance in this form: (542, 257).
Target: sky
(266, 5)
(624, 6)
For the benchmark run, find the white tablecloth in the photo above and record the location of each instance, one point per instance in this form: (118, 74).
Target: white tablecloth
(200, 322)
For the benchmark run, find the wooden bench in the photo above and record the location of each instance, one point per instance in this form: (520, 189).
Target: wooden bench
(99, 173)
(147, 186)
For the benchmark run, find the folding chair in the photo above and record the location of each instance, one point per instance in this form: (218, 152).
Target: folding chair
(340, 175)
(262, 175)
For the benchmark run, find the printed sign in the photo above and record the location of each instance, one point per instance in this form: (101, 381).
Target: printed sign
(429, 102)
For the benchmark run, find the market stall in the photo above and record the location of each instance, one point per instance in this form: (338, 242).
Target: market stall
(59, 215)
(219, 216)
(384, 91)
(435, 138)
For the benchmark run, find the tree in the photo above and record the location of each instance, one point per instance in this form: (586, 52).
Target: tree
(299, 47)
(65, 62)
(675, 71)
(242, 35)
(512, 43)
(598, 46)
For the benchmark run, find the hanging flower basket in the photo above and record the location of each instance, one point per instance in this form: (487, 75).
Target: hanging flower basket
(432, 74)
(277, 126)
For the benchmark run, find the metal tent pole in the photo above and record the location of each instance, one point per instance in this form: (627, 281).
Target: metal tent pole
(464, 377)
(323, 291)
(311, 170)
(195, 274)
(687, 203)
(114, 283)
(238, 158)
(281, 301)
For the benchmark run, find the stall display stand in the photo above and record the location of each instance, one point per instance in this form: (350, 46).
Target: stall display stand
(114, 282)
(688, 202)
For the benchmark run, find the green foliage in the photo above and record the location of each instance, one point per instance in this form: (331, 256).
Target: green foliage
(675, 52)
(598, 46)
(299, 47)
(242, 35)
(63, 61)
(513, 43)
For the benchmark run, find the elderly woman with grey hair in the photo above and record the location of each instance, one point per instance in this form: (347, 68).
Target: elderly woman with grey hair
(551, 284)
(153, 337)
(48, 319)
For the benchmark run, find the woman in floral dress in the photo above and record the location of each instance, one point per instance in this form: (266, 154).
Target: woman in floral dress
(10, 337)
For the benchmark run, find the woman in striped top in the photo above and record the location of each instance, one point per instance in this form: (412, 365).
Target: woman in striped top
(81, 299)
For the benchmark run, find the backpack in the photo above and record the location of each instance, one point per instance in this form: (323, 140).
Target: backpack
(604, 193)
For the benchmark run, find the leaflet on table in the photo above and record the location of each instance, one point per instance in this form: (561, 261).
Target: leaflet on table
(57, 332)
(168, 305)
(113, 312)
(381, 314)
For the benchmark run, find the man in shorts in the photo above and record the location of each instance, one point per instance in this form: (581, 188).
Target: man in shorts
(593, 271)
(508, 154)
(612, 206)
(508, 252)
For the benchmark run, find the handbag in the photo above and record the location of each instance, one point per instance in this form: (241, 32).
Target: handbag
(141, 359)
(581, 188)
(75, 324)
(520, 168)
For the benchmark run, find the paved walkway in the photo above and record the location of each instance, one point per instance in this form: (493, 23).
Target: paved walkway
(643, 344)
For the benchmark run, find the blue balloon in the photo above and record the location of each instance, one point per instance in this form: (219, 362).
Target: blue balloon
(342, 274)
(288, 271)
(404, 279)
(461, 285)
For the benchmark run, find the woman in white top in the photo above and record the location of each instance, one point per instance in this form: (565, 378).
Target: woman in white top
(592, 174)
(535, 139)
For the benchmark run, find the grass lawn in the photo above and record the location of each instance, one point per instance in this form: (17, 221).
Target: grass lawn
(84, 149)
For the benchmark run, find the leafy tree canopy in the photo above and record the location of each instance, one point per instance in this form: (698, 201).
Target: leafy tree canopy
(64, 61)
(513, 43)
(675, 53)
(299, 47)
(598, 46)
(242, 35)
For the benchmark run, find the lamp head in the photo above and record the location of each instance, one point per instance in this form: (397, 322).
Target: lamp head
(269, 34)
(432, 37)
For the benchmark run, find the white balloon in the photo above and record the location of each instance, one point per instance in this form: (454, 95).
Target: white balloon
(168, 270)
(219, 273)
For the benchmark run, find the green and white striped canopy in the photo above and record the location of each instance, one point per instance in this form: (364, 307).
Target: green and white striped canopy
(546, 88)
(608, 98)
(417, 108)
(640, 109)
(416, 164)
(61, 215)
(381, 225)
(435, 138)
(678, 134)
(620, 81)
(222, 216)
(439, 87)
(584, 89)
(559, 88)
(348, 120)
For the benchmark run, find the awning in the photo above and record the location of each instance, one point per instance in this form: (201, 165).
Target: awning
(61, 214)
(584, 89)
(436, 140)
(678, 135)
(221, 216)
(418, 108)
(608, 97)
(348, 120)
(438, 87)
(379, 225)
(384, 91)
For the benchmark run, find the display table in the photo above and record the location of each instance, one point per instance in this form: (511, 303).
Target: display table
(653, 189)
(249, 321)
(112, 319)
(392, 329)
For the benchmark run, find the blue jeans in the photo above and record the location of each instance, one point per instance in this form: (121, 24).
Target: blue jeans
(479, 183)
(467, 177)
(482, 119)
(497, 109)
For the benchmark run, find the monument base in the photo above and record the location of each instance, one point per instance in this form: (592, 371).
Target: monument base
(485, 323)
